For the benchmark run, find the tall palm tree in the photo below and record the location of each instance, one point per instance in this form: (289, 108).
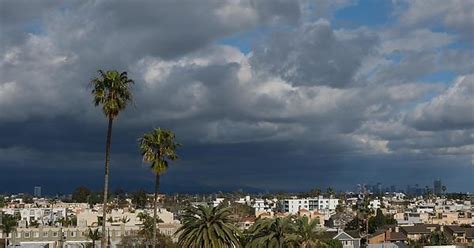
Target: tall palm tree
(111, 90)
(158, 147)
(94, 235)
(272, 232)
(306, 233)
(208, 227)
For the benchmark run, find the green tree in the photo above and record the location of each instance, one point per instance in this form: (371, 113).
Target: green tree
(139, 199)
(94, 235)
(330, 191)
(241, 210)
(146, 231)
(81, 194)
(138, 241)
(208, 227)
(340, 208)
(158, 147)
(27, 198)
(272, 232)
(94, 198)
(306, 233)
(34, 223)
(355, 224)
(439, 238)
(315, 192)
(380, 220)
(8, 224)
(111, 90)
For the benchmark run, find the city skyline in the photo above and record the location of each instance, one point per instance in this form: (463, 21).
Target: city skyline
(376, 189)
(262, 95)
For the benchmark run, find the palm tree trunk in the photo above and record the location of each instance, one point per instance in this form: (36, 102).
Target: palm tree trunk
(157, 188)
(106, 182)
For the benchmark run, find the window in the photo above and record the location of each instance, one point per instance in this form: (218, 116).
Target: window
(73, 234)
(18, 235)
(36, 234)
(45, 234)
(55, 234)
(27, 234)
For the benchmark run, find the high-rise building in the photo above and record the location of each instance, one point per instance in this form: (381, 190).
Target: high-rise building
(379, 188)
(37, 192)
(437, 187)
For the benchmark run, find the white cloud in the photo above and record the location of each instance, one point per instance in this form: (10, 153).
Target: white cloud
(453, 109)
(456, 14)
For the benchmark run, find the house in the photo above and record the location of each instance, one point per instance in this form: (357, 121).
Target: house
(396, 237)
(264, 215)
(377, 238)
(388, 245)
(470, 236)
(349, 239)
(390, 234)
(339, 220)
(415, 232)
(246, 222)
(459, 234)
(304, 212)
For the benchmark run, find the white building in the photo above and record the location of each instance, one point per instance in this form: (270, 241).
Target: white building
(324, 204)
(217, 201)
(245, 200)
(375, 204)
(44, 216)
(118, 217)
(264, 205)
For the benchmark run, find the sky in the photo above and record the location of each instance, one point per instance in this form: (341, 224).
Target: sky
(263, 95)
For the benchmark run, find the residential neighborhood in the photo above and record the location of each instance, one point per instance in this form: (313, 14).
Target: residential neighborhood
(393, 219)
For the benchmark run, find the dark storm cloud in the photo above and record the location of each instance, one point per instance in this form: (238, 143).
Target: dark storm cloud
(309, 99)
(17, 18)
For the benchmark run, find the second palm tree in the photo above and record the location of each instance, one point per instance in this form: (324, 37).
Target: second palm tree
(158, 147)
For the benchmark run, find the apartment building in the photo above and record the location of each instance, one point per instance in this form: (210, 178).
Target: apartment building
(71, 237)
(43, 216)
(322, 204)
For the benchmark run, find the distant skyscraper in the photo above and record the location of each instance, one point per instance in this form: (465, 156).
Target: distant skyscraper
(379, 188)
(437, 187)
(393, 188)
(37, 191)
